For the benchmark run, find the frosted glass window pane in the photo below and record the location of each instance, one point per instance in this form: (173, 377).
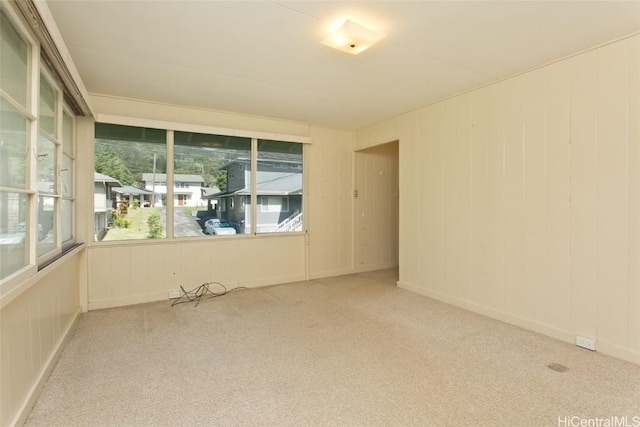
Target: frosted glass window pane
(14, 53)
(13, 248)
(46, 225)
(47, 111)
(46, 165)
(13, 147)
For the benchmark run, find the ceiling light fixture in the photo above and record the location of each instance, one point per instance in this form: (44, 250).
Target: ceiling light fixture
(352, 38)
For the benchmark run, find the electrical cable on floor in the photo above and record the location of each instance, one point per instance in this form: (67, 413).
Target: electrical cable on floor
(202, 292)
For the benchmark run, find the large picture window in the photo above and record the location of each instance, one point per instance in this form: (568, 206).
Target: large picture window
(208, 191)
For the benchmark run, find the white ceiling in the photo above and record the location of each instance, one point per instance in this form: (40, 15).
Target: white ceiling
(264, 58)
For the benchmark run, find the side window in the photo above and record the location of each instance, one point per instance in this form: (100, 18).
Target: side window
(15, 113)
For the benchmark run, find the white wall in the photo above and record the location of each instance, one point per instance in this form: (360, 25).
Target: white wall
(121, 273)
(525, 198)
(33, 329)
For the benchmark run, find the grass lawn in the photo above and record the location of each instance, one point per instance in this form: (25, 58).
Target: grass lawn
(139, 228)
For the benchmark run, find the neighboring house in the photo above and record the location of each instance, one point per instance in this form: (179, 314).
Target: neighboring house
(279, 191)
(187, 189)
(103, 202)
(131, 194)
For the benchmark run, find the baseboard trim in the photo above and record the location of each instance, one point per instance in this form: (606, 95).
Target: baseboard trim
(43, 376)
(162, 296)
(532, 325)
(330, 273)
(522, 322)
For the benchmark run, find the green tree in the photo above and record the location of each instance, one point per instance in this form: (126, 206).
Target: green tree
(109, 162)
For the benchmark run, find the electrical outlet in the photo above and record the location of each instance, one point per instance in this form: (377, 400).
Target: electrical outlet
(174, 294)
(587, 343)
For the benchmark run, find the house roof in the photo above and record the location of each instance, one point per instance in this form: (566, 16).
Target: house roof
(162, 177)
(264, 58)
(276, 183)
(129, 190)
(98, 177)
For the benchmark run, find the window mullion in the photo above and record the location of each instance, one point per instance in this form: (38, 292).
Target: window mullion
(254, 186)
(170, 183)
(34, 96)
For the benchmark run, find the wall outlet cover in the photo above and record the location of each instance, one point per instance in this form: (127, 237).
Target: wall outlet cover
(587, 343)
(174, 294)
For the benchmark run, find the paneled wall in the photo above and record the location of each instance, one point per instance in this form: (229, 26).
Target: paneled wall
(330, 181)
(134, 272)
(33, 328)
(525, 198)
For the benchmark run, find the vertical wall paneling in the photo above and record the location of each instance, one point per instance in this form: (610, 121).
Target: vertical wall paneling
(557, 233)
(495, 198)
(634, 194)
(463, 214)
(584, 195)
(534, 200)
(450, 162)
(479, 196)
(534, 193)
(436, 138)
(424, 213)
(613, 193)
(33, 329)
(410, 182)
(515, 299)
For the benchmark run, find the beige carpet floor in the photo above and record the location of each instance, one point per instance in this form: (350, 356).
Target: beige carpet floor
(344, 351)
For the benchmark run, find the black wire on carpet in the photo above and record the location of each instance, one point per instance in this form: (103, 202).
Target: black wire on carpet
(201, 293)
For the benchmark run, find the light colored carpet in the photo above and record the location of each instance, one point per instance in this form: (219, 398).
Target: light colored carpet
(345, 351)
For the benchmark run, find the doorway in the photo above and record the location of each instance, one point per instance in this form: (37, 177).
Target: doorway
(376, 207)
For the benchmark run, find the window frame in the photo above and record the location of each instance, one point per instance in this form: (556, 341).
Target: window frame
(37, 69)
(171, 128)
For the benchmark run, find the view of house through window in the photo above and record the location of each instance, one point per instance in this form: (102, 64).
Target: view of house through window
(201, 161)
(279, 187)
(130, 187)
(209, 191)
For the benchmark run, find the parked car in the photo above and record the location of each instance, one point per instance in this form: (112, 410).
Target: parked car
(219, 228)
(41, 235)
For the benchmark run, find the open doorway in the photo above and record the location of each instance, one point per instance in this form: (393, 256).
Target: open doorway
(376, 207)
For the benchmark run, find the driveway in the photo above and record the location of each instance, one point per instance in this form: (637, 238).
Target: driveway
(184, 225)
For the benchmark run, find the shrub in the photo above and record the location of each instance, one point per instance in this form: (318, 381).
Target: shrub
(120, 220)
(155, 226)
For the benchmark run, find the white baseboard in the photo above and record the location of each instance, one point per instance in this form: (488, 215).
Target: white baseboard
(161, 296)
(43, 376)
(532, 325)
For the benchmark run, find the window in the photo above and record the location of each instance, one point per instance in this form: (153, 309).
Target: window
(212, 178)
(207, 159)
(36, 210)
(130, 196)
(274, 204)
(279, 187)
(15, 117)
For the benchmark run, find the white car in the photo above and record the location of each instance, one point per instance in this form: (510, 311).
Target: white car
(219, 228)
